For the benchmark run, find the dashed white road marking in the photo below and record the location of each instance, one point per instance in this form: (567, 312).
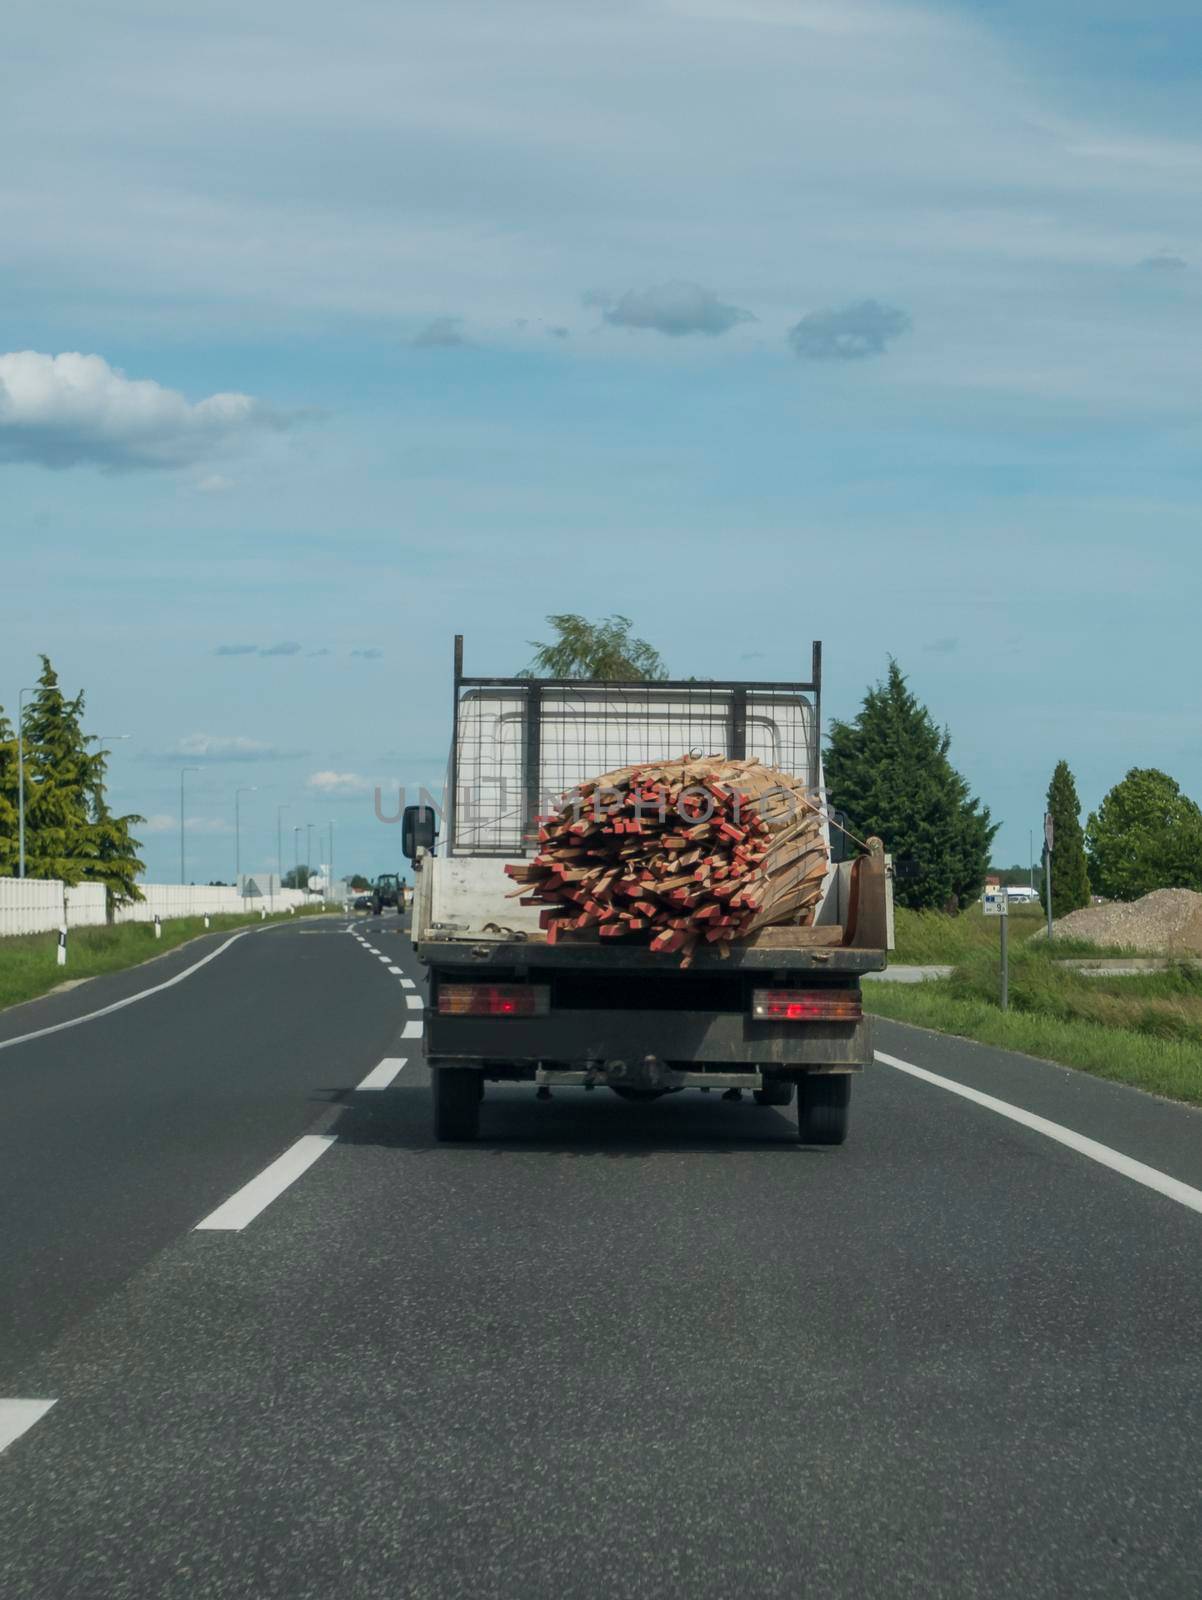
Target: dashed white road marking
(408, 983)
(395, 971)
(1172, 1188)
(415, 1002)
(380, 1077)
(411, 1030)
(130, 1000)
(258, 1194)
(18, 1416)
(371, 949)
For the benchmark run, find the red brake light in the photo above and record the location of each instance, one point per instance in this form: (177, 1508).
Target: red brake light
(806, 1005)
(493, 1000)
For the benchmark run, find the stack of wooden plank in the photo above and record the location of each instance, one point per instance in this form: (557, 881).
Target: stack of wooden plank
(679, 852)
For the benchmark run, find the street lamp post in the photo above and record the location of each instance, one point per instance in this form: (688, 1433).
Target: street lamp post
(245, 788)
(330, 890)
(182, 872)
(296, 833)
(21, 780)
(308, 854)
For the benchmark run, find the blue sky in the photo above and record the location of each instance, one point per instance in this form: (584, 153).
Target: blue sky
(758, 320)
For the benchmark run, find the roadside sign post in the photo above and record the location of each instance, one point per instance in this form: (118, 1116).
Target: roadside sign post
(997, 904)
(1049, 839)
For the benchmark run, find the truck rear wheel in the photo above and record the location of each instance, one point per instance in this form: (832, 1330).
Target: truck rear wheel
(457, 1096)
(776, 1092)
(823, 1099)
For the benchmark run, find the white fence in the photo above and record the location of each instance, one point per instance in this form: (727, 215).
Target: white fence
(166, 900)
(40, 905)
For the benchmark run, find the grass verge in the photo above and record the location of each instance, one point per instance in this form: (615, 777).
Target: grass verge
(932, 938)
(1145, 1031)
(29, 966)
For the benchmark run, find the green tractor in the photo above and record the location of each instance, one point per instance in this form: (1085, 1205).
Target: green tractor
(388, 890)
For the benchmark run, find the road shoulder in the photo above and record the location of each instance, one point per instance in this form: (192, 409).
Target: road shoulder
(1165, 1134)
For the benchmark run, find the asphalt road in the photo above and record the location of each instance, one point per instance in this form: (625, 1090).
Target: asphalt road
(608, 1350)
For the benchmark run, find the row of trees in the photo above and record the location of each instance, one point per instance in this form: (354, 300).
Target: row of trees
(1145, 835)
(889, 771)
(70, 832)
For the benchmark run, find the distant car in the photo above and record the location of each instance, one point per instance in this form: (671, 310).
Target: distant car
(362, 902)
(1021, 894)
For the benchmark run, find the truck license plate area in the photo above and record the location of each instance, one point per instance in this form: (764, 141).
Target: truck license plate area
(649, 1073)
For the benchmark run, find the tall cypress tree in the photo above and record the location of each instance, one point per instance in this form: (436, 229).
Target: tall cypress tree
(889, 771)
(9, 850)
(1070, 871)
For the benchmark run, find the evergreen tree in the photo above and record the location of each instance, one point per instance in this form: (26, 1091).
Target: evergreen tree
(9, 850)
(888, 771)
(1145, 835)
(70, 833)
(58, 777)
(1070, 872)
(115, 861)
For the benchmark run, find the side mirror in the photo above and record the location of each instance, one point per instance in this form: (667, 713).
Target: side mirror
(419, 830)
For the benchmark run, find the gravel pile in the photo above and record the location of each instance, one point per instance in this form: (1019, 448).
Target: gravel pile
(1165, 922)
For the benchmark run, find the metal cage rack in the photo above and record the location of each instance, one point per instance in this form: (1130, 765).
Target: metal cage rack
(520, 744)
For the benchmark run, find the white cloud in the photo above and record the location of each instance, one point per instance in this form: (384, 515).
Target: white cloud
(222, 747)
(676, 308)
(346, 783)
(164, 822)
(60, 411)
(1163, 261)
(850, 334)
(440, 334)
(214, 483)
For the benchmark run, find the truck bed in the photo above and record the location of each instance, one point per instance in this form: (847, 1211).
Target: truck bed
(773, 950)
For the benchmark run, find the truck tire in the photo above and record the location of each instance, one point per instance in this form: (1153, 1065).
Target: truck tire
(457, 1096)
(776, 1092)
(823, 1099)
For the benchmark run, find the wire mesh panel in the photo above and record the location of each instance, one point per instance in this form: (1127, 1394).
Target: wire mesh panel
(489, 772)
(521, 748)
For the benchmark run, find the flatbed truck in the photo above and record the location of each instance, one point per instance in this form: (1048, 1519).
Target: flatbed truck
(779, 1016)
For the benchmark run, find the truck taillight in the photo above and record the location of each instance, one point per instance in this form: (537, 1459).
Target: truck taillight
(806, 1005)
(493, 1000)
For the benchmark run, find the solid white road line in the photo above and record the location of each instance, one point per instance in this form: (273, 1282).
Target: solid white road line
(408, 983)
(18, 1416)
(258, 1194)
(395, 971)
(415, 1002)
(380, 1077)
(1172, 1188)
(411, 1030)
(130, 1000)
